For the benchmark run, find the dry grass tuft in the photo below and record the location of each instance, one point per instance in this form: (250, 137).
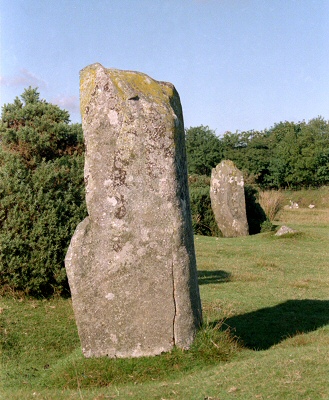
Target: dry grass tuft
(272, 201)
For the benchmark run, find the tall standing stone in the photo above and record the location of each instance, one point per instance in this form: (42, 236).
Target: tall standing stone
(228, 199)
(131, 263)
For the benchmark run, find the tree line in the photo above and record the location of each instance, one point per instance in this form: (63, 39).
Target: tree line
(288, 155)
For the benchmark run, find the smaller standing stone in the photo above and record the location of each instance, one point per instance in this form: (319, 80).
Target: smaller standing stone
(228, 199)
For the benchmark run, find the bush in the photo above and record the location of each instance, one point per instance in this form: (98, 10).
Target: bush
(267, 226)
(41, 194)
(203, 219)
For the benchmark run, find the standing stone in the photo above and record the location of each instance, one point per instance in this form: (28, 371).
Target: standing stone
(131, 263)
(228, 200)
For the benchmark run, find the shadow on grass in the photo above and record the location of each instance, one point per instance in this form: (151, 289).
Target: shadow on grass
(207, 277)
(261, 329)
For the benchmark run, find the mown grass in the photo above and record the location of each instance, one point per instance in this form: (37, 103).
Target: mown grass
(266, 333)
(40, 346)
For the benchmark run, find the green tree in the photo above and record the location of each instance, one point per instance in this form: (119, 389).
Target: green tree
(299, 154)
(203, 150)
(316, 134)
(285, 152)
(250, 153)
(41, 193)
(287, 155)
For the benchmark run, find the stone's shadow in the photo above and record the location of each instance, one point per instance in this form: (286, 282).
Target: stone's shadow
(207, 277)
(262, 329)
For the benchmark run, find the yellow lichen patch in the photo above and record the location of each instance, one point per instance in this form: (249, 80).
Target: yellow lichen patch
(117, 82)
(141, 84)
(87, 85)
(128, 84)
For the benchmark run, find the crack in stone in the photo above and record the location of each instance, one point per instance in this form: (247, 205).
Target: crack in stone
(174, 298)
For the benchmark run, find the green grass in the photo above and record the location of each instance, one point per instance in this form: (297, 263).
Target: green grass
(266, 333)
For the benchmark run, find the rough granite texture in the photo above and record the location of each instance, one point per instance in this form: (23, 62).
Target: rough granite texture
(228, 199)
(131, 263)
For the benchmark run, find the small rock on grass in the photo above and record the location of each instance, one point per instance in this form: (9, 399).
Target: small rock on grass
(284, 230)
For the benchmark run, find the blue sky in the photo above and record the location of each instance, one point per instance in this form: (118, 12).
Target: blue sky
(237, 64)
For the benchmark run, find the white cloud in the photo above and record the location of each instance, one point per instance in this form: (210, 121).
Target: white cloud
(23, 78)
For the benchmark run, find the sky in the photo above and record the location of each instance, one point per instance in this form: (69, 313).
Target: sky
(237, 65)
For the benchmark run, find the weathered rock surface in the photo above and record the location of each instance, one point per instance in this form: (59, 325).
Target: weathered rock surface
(131, 263)
(228, 199)
(285, 230)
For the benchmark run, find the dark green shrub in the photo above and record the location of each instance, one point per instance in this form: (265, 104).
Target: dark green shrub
(203, 219)
(41, 194)
(267, 226)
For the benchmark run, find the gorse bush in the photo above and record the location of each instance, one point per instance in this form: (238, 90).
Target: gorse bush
(41, 194)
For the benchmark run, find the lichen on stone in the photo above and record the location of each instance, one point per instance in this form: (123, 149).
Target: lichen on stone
(128, 84)
(87, 84)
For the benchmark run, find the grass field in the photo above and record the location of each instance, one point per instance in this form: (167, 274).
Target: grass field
(266, 334)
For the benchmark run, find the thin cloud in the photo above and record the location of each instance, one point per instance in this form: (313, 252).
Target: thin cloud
(23, 78)
(70, 103)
